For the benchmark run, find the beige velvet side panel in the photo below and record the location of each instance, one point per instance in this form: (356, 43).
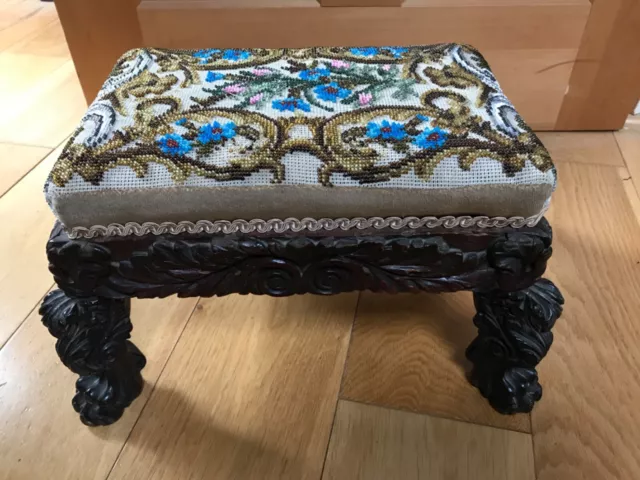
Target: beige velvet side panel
(282, 201)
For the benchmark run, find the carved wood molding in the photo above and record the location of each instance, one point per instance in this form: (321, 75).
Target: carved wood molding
(206, 265)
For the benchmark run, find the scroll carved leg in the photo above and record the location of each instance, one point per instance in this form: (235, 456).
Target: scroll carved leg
(514, 334)
(93, 335)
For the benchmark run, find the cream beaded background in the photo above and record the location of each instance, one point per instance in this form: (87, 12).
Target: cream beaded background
(241, 81)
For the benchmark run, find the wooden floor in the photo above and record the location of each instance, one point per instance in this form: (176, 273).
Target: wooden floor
(346, 387)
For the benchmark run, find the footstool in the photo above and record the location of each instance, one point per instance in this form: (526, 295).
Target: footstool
(288, 171)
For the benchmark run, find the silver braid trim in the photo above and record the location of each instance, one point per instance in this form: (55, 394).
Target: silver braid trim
(295, 225)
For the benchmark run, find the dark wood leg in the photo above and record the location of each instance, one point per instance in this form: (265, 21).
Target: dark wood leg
(93, 335)
(514, 334)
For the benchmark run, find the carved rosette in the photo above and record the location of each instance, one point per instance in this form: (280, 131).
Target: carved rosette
(514, 335)
(518, 257)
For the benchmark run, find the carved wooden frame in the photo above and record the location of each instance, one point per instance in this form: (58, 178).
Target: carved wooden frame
(89, 314)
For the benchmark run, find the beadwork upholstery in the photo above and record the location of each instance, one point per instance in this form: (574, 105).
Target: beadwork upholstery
(322, 133)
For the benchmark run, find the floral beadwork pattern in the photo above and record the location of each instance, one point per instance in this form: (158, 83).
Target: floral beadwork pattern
(173, 144)
(320, 86)
(286, 104)
(367, 114)
(212, 54)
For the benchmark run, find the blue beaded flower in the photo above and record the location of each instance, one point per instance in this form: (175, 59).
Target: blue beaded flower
(386, 130)
(290, 104)
(174, 144)
(365, 52)
(214, 76)
(236, 55)
(314, 74)
(433, 138)
(206, 53)
(181, 121)
(396, 51)
(216, 132)
(331, 92)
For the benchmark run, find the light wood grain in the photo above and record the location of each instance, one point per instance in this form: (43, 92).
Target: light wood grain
(604, 86)
(373, 443)
(534, 80)
(21, 21)
(40, 434)
(197, 23)
(630, 190)
(39, 90)
(407, 351)
(26, 65)
(587, 425)
(407, 3)
(496, 3)
(16, 161)
(24, 276)
(45, 114)
(47, 41)
(249, 392)
(597, 148)
(21, 73)
(98, 33)
(361, 3)
(628, 140)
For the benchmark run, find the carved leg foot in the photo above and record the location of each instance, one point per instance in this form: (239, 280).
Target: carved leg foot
(92, 335)
(514, 334)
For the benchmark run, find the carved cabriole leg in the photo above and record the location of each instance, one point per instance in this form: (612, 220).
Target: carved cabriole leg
(514, 321)
(514, 334)
(93, 335)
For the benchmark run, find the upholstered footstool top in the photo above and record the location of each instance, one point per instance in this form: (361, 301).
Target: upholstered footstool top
(217, 135)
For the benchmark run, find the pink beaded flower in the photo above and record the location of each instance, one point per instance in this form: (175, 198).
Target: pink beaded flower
(255, 99)
(234, 89)
(365, 98)
(340, 64)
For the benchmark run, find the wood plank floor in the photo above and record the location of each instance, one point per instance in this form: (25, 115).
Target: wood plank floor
(379, 444)
(588, 424)
(346, 387)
